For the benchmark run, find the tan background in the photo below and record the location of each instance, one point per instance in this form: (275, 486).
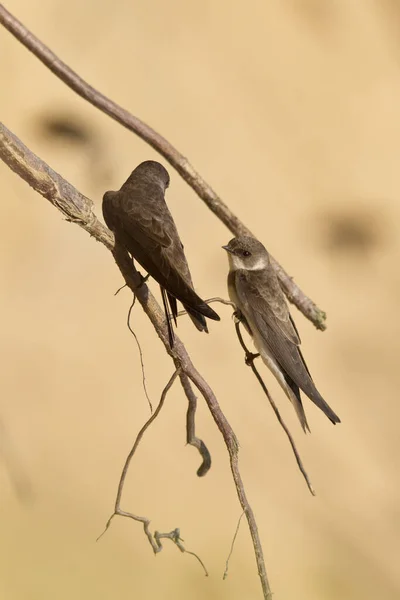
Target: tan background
(291, 110)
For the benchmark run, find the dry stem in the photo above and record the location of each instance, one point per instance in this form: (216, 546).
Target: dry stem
(154, 539)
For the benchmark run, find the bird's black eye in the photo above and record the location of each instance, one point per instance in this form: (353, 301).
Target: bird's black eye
(246, 253)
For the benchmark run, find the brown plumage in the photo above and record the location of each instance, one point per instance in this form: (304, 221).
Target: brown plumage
(255, 290)
(142, 223)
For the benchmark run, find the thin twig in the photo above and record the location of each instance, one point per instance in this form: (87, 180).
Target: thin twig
(161, 145)
(140, 436)
(225, 575)
(79, 210)
(154, 539)
(210, 301)
(249, 358)
(191, 427)
(120, 289)
(221, 301)
(175, 537)
(128, 322)
(121, 484)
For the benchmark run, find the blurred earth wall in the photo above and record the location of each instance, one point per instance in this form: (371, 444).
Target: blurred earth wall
(291, 111)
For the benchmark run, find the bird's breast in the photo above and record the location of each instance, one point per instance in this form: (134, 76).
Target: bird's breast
(232, 288)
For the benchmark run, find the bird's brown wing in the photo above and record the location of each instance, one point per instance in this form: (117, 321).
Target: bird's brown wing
(265, 303)
(261, 292)
(148, 232)
(124, 213)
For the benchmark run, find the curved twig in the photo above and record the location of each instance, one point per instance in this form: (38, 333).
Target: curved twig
(139, 438)
(191, 427)
(122, 479)
(161, 145)
(181, 313)
(154, 539)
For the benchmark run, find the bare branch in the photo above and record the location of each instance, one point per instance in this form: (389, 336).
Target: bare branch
(78, 209)
(139, 438)
(249, 358)
(161, 145)
(117, 506)
(191, 427)
(75, 207)
(154, 539)
(175, 537)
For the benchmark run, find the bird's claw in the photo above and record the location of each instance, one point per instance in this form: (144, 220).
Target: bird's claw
(143, 279)
(237, 316)
(249, 358)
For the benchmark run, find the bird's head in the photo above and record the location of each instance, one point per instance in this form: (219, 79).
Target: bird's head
(150, 171)
(247, 253)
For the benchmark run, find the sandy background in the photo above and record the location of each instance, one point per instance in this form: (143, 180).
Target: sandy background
(290, 110)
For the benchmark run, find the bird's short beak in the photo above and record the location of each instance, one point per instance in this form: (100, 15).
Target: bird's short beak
(227, 249)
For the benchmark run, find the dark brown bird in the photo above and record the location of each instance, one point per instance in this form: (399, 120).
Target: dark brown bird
(255, 290)
(141, 222)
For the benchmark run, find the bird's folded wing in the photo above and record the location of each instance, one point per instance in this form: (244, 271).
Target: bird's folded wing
(270, 316)
(154, 242)
(121, 212)
(264, 298)
(268, 312)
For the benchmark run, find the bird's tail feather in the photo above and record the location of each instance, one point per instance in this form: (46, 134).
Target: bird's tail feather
(293, 393)
(207, 311)
(197, 318)
(315, 396)
(171, 336)
(318, 400)
(173, 306)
